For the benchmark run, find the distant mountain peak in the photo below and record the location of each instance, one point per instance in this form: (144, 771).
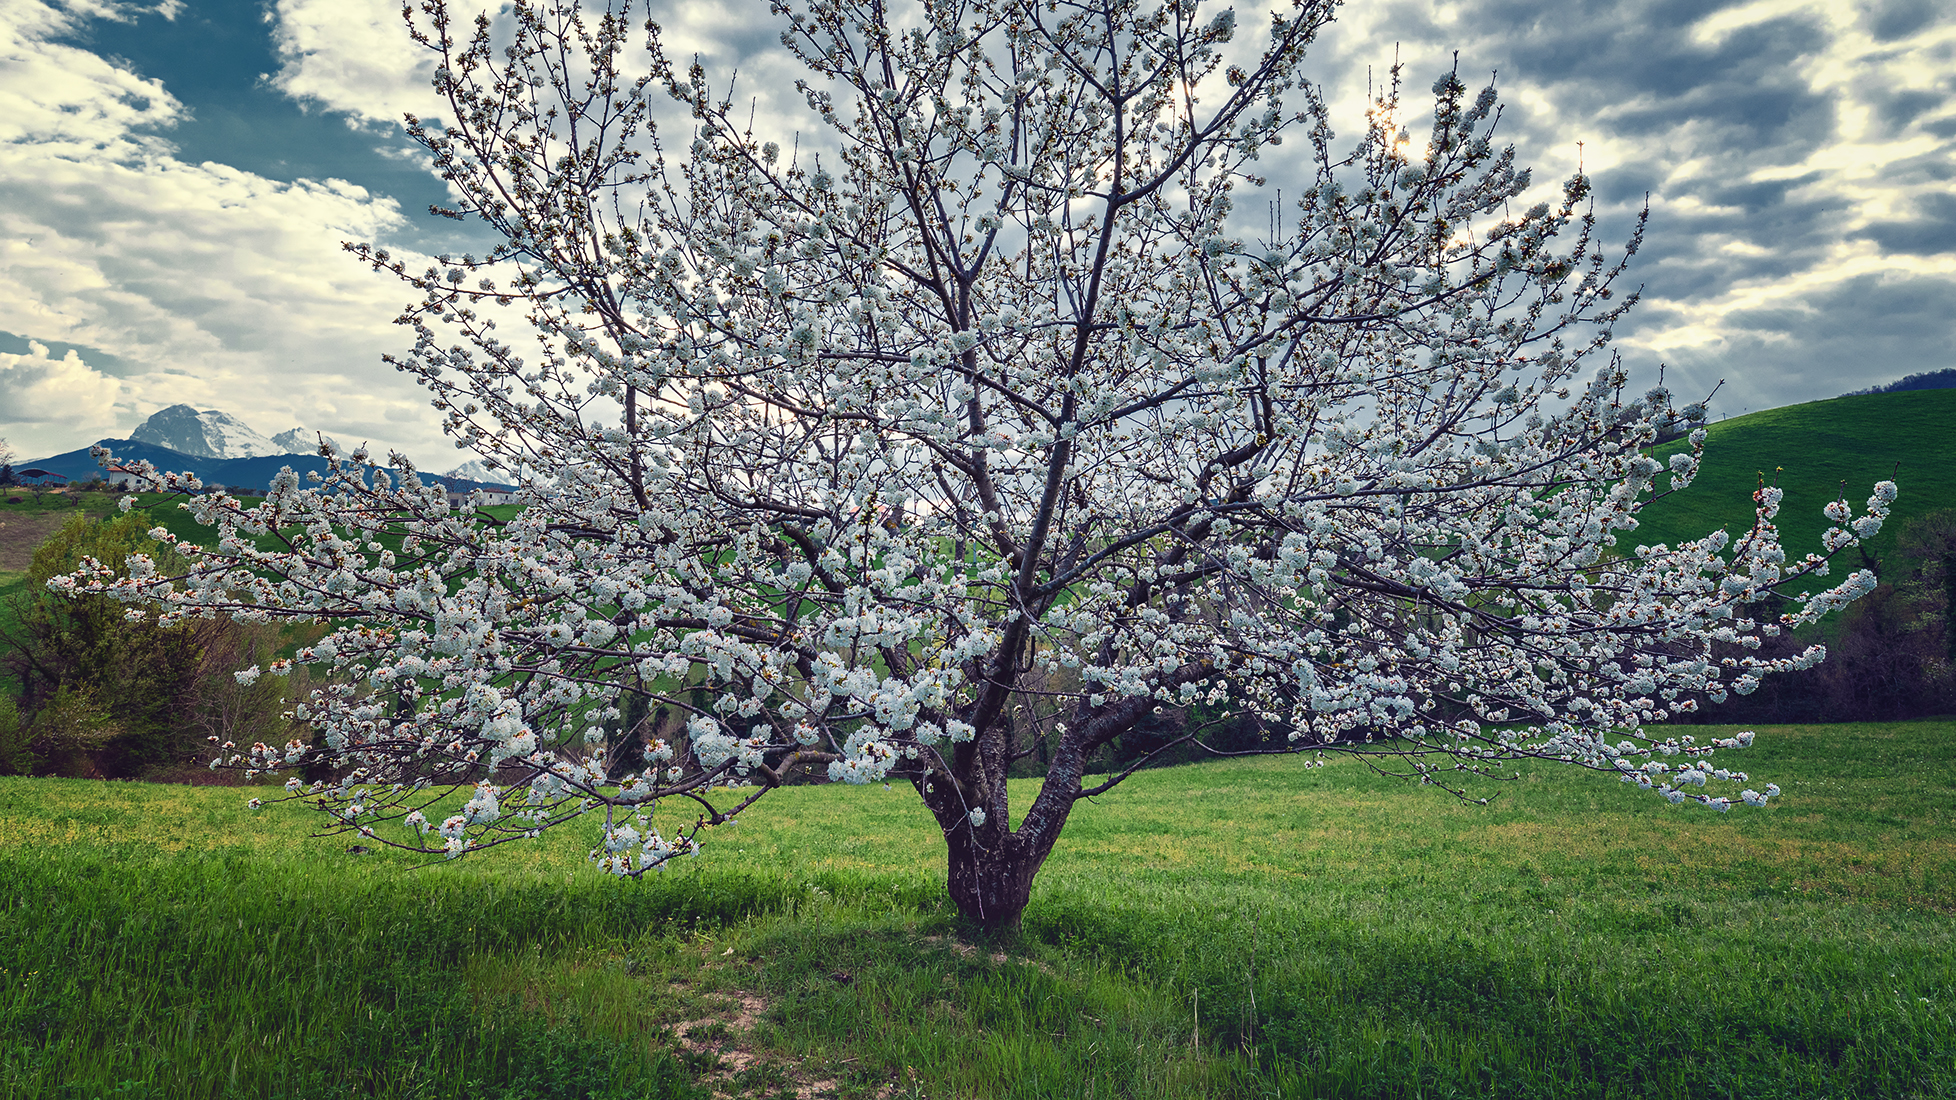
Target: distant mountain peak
(211, 433)
(474, 470)
(301, 441)
(214, 433)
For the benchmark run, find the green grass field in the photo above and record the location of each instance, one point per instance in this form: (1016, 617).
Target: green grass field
(1234, 929)
(1810, 450)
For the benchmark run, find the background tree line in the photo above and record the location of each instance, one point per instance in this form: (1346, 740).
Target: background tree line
(90, 692)
(1890, 655)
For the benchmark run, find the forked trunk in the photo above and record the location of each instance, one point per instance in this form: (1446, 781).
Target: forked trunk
(990, 876)
(990, 867)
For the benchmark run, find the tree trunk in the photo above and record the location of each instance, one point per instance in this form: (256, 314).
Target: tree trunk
(990, 876)
(990, 867)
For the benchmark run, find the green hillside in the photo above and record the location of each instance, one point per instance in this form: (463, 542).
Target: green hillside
(1809, 450)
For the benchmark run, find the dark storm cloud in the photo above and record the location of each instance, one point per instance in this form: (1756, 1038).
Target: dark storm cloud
(1646, 76)
(1634, 72)
(1934, 167)
(1898, 109)
(745, 42)
(1859, 331)
(1893, 19)
(1735, 105)
(1727, 135)
(1796, 231)
(1862, 331)
(1755, 196)
(1931, 231)
(1638, 66)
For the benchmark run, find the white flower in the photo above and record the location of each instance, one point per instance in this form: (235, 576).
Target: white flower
(977, 816)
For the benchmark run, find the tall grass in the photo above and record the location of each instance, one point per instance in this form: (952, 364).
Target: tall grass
(1237, 929)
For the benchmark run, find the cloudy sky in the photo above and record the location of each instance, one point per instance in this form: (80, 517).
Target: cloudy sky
(178, 177)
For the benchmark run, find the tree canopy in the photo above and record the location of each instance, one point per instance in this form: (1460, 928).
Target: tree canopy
(974, 425)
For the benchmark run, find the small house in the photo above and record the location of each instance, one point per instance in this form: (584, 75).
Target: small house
(492, 494)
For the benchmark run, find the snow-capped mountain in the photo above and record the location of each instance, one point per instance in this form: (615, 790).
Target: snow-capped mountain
(207, 434)
(213, 433)
(474, 470)
(301, 441)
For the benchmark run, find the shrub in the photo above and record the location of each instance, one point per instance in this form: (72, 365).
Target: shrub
(103, 693)
(15, 758)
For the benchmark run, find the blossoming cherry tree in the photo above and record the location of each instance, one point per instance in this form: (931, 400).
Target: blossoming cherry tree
(971, 425)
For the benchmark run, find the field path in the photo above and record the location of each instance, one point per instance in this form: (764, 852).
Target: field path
(21, 535)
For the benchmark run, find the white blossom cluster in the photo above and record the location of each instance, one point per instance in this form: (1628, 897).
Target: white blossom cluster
(993, 421)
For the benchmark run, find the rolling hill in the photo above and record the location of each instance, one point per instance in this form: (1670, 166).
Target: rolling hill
(1810, 450)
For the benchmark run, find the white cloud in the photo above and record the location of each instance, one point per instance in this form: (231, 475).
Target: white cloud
(355, 56)
(226, 290)
(54, 405)
(218, 288)
(65, 98)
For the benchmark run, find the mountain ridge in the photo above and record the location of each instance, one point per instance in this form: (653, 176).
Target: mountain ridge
(254, 471)
(211, 433)
(206, 443)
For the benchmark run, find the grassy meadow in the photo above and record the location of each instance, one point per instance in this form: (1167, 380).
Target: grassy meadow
(1233, 929)
(1817, 451)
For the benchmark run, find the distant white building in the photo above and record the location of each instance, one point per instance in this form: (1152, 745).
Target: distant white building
(492, 494)
(122, 477)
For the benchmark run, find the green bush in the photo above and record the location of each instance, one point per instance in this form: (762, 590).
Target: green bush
(15, 759)
(69, 731)
(105, 694)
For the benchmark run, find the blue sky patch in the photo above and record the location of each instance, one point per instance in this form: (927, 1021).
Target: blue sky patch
(217, 58)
